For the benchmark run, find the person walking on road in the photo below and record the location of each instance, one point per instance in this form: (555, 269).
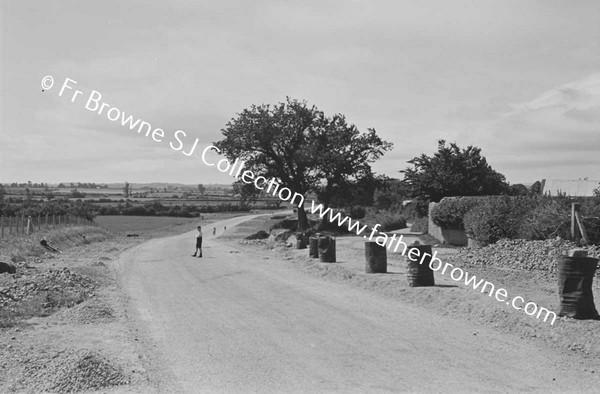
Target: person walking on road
(198, 243)
(214, 230)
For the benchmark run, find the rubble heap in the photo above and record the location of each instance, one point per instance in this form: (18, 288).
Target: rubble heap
(518, 254)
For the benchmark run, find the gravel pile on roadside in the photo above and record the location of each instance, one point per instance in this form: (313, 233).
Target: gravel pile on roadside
(92, 311)
(57, 285)
(253, 241)
(68, 372)
(520, 254)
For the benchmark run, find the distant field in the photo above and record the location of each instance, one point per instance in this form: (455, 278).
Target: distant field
(142, 223)
(145, 224)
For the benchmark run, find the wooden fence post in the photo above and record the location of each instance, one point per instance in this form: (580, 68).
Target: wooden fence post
(2, 226)
(46, 221)
(576, 218)
(53, 221)
(28, 225)
(9, 225)
(39, 222)
(574, 207)
(586, 240)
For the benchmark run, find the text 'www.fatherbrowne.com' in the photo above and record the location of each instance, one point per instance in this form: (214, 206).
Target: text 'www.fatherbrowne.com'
(395, 242)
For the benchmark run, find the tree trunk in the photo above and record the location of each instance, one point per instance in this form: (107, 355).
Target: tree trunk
(302, 219)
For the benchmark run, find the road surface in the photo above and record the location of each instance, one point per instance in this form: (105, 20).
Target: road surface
(243, 321)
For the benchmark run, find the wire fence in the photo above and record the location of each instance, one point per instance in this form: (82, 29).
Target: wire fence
(25, 225)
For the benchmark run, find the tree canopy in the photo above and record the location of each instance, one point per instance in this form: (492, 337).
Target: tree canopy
(301, 148)
(453, 171)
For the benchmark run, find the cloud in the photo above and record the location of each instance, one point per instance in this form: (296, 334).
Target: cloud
(559, 129)
(581, 94)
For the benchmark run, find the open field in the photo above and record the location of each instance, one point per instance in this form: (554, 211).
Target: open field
(147, 224)
(141, 223)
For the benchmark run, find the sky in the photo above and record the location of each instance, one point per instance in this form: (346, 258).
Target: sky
(519, 79)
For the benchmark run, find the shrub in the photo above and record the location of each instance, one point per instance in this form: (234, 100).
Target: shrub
(394, 222)
(388, 221)
(494, 218)
(357, 213)
(136, 211)
(287, 224)
(326, 225)
(417, 208)
(450, 213)
(590, 207)
(259, 235)
(550, 218)
(420, 225)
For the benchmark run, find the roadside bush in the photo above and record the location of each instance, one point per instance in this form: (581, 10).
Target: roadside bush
(393, 222)
(450, 212)
(549, 219)
(592, 226)
(409, 211)
(138, 210)
(494, 218)
(417, 208)
(108, 210)
(590, 207)
(357, 213)
(420, 225)
(388, 220)
(259, 235)
(286, 224)
(326, 226)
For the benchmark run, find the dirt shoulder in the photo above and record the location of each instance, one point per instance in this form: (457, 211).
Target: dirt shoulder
(65, 327)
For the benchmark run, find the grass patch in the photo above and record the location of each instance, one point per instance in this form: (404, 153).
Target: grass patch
(247, 228)
(158, 226)
(29, 245)
(121, 223)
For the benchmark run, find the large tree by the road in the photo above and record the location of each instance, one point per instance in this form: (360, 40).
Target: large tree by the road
(301, 148)
(453, 171)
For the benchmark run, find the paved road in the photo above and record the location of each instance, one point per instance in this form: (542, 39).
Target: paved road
(240, 321)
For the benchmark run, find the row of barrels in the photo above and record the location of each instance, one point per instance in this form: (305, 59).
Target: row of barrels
(575, 271)
(319, 246)
(323, 248)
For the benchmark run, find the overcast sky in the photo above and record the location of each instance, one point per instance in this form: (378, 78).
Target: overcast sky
(520, 79)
